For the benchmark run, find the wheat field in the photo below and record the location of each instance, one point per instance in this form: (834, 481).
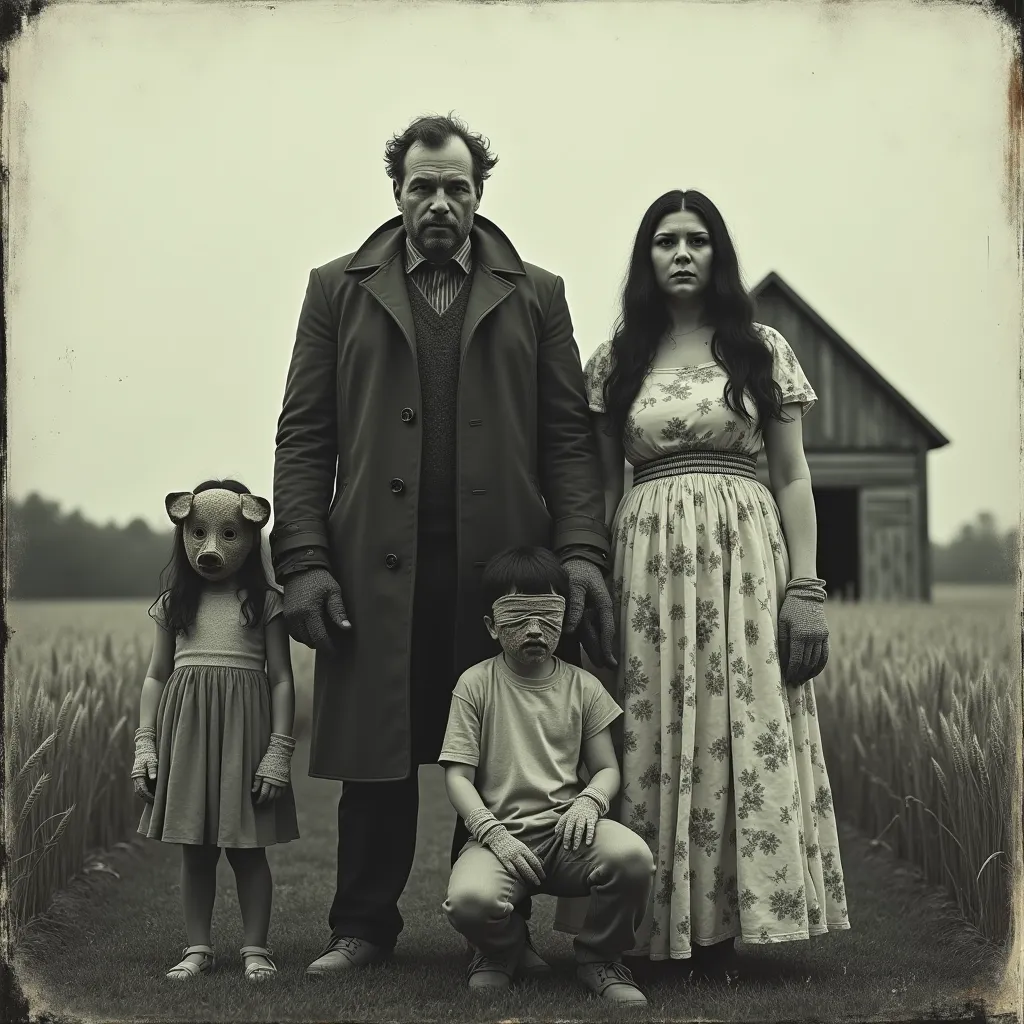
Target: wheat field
(920, 719)
(72, 679)
(919, 711)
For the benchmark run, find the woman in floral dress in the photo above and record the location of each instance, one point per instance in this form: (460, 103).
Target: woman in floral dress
(720, 614)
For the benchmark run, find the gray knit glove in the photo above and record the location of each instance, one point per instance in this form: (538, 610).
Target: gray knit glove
(312, 605)
(515, 857)
(803, 631)
(589, 592)
(274, 771)
(579, 822)
(144, 768)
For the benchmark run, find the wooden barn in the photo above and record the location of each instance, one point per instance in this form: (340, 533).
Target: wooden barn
(867, 449)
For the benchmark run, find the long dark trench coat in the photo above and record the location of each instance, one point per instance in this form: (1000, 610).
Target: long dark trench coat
(348, 462)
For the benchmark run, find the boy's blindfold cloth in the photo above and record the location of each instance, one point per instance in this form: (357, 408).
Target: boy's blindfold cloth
(514, 619)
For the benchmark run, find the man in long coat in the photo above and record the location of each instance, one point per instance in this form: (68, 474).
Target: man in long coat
(434, 414)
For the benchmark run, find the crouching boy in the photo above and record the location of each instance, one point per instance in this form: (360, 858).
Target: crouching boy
(519, 726)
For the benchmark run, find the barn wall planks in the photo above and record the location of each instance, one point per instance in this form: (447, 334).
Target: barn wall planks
(851, 413)
(854, 468)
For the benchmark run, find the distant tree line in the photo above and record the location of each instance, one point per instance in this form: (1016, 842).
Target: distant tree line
(56, 554)
(979, 553)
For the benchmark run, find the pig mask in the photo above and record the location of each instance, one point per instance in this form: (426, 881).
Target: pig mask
(219, 528)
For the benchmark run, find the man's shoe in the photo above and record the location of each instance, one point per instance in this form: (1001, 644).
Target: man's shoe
(487, 972)
(344, 953)
(611, 981)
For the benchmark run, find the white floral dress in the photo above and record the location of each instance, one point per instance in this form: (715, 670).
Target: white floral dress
(722, 766)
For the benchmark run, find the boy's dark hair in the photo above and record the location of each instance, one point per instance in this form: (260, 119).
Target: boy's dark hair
(528, 570)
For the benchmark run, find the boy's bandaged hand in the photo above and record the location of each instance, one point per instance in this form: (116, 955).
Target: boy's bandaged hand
(144, 768)
(579, 822)
(514, 855)
(274, 771)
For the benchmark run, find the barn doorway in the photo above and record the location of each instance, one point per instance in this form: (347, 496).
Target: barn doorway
(837, 509)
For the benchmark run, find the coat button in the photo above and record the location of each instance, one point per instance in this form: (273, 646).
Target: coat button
(408, 415)
(391, 561)
(397, 485)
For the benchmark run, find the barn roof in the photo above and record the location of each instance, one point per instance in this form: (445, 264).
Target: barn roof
(773, 281)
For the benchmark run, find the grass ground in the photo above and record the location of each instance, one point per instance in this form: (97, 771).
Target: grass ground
(102, 953)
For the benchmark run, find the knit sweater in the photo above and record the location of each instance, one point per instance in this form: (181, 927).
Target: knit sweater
(438, 355)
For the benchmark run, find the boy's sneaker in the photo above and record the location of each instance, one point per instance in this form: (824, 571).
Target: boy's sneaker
(488, 972)
(611, 981)
(531, 963)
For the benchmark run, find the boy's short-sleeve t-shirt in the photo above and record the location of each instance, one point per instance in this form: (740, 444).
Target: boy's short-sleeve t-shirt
(525, 738)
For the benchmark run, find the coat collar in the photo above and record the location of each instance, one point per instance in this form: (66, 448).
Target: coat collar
(491, 247)
(462, 258)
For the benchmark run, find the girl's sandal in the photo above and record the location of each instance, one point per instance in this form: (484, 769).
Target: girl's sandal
(257, 971)
(189, 968)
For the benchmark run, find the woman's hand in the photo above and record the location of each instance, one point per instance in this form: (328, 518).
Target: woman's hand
(803, 631)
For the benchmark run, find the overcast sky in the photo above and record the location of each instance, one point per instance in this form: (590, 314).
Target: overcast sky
(177, 170)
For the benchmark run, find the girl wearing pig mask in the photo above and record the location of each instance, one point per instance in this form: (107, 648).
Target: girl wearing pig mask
(214, 744)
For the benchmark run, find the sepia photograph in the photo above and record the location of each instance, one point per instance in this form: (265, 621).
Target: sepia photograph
(511, 511)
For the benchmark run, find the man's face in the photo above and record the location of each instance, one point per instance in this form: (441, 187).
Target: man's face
(438, 198)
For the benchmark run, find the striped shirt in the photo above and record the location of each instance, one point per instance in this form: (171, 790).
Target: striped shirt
(439, 284)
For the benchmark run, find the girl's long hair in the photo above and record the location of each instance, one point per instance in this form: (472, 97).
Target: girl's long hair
(736, 346)
(181, 586)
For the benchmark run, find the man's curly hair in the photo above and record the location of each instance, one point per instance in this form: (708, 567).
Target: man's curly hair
(433, 131)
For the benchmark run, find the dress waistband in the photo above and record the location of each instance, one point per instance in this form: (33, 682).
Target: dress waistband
(696, 461)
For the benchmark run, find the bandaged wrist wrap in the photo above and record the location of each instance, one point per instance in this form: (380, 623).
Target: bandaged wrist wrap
(598, 797)
(276, 763)
(809, 587)
(480, 822)
(145, 750)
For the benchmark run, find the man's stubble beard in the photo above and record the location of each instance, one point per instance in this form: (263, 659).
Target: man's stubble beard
(443, 250)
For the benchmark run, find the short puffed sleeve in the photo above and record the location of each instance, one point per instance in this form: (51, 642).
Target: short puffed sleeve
(788, 372)
(158, 613)
(595, 373)
(273, 605)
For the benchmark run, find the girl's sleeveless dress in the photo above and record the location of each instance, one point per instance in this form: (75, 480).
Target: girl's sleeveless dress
(722, 763)
(213, 727)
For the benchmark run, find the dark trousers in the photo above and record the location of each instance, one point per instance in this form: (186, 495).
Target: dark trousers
(377, 821)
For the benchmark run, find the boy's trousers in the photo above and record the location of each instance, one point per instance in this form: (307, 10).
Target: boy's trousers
(616, 871)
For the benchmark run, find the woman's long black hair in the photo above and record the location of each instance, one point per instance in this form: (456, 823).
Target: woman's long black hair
(183, 586)
(737, 347)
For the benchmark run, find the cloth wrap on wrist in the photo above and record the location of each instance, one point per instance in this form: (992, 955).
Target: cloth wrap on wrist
(276, 763)
(809, 587)
(480, 822)
(485, 828)
(145, 750)
(598, 797)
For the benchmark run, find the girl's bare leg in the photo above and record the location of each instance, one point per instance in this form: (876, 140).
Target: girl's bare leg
(255, 886)
(198, 893)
